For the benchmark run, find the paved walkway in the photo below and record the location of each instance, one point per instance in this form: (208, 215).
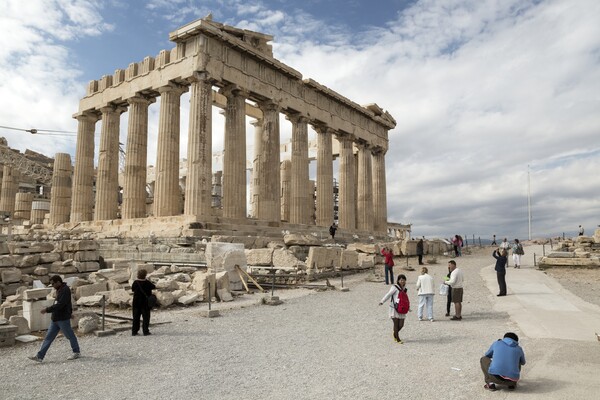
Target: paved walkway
(541, 306)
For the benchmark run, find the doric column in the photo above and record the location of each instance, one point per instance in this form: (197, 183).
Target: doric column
(60, 200)
(324, 177)
(198, 188)
(166, 190)
(269, 200)
(83, 176)
(10, 187)
(286, 182)
(300, 196)
(136, 157)
(347, 201)
(23, 206)
(107, 179)
(255, 188)
(365, 197)
(234, 159)
(379, 191)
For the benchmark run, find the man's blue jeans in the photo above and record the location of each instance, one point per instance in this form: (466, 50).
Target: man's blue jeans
(389, 270)
(56, 326)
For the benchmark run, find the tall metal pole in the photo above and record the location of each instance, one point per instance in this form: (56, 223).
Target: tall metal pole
(529, 201)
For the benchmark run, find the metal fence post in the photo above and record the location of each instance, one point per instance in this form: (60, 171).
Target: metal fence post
(103, 310)
(209, 296)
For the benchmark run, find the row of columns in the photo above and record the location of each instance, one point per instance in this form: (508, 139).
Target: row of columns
(362, 192)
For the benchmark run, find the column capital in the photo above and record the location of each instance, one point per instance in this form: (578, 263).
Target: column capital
(322, 128)
(200, 76)
(173, 87)
(87, 116)
(378, 150)
(268, 105)
(362, 144)
(295, 117)
(141, 99)
(232, 90)
(113, 108)
(345, 136)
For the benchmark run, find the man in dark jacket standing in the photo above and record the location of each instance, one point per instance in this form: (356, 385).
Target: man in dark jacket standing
(61, 320)
(420, 251)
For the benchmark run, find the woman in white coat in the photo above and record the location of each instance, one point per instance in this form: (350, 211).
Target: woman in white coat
(426, 291)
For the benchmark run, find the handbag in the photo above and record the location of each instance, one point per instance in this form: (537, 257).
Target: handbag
(444, 290)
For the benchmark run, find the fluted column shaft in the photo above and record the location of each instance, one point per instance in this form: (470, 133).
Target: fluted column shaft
(166, 190)
(23, 206)
(198, 189)
(347, 201)
(83, 176)
(60, 200)
(10, 187)
(365, 197)
(136, 157)
(107, 180)
(379, 192)
(269, 199)
(258, 124)
(234, 159)
(324, 177)
(286, 182)
(300, 195)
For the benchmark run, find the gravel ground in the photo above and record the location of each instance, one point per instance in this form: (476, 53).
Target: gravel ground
(317, 345)
(583, 282)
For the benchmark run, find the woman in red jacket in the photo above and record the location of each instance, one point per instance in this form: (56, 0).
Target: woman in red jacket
(389, 265)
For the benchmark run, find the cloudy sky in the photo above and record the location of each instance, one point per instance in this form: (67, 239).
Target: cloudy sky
(481, 89)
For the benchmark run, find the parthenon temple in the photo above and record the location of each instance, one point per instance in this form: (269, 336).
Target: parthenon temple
(232, 69)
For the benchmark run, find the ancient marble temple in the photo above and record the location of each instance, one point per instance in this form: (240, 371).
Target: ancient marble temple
(232, 69)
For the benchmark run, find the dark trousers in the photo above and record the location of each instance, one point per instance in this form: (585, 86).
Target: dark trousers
(420, 259)
(491, 378)
(449, 302)
(137, 313)
(501, 276)
(398, 325)
(389, 270)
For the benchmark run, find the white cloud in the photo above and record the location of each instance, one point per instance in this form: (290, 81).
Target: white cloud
(39, 86)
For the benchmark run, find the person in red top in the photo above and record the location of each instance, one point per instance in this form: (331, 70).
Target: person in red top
(389, 265)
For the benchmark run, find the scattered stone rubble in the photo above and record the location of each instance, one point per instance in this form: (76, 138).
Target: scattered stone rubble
(209, 271)
(581, 251)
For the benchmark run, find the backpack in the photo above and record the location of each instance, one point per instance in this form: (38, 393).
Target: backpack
(403, 304)
(520, 249)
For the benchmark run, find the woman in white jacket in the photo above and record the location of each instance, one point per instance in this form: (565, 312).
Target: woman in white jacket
(425, 290)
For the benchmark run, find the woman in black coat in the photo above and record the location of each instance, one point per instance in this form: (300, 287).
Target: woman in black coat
(501, 260)
(142, 289)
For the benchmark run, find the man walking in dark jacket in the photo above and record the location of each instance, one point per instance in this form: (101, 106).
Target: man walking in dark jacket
(61, 320)
(420, 251)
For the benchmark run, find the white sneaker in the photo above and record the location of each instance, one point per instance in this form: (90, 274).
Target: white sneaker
(431, 320)
(74, 356)
(420, 319)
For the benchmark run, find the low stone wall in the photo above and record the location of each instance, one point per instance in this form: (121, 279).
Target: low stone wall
(579, 252)
(23, 262)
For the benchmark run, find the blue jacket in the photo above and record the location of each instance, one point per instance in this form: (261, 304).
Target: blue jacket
(500, 262)
(507, 356)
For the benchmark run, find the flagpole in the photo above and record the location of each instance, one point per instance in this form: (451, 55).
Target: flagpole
(529, 200)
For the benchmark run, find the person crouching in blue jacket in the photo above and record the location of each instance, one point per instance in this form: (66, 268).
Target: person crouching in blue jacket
(501, 364)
